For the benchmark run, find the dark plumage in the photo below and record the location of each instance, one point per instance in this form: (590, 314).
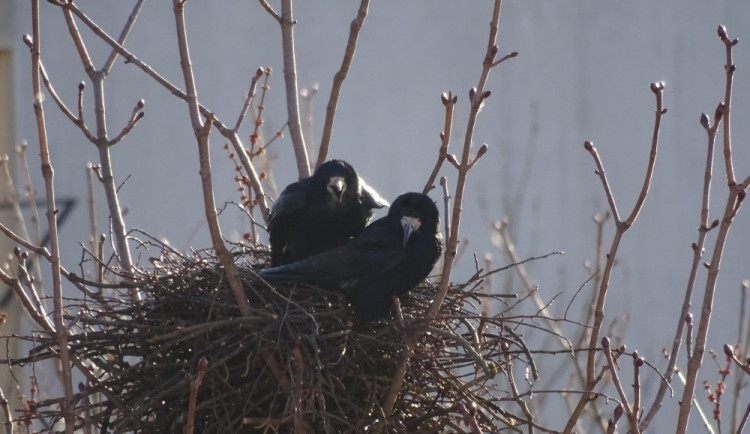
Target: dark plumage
(319, 212)
(389, 257)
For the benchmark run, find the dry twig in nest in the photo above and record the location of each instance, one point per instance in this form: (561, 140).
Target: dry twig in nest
(299, 363)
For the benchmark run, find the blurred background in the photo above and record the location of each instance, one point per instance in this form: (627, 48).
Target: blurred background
(582, 73)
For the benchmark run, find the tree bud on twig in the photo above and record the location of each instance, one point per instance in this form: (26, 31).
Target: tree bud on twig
(605, 342)
(728, 350)
(81, 86)
(722, 31)
(719, 113)
(618, 412)
(657, 86)
(705, 121)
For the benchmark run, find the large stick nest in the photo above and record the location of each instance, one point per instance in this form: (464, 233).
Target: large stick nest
(299, 363)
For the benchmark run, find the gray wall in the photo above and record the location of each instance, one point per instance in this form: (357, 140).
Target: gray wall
(583, 73)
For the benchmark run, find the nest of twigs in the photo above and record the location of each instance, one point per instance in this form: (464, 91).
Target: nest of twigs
(300, 363)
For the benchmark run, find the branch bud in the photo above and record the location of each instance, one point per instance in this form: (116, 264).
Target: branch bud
(493, 51)
(28, 41)
(657, 86)
(605, 342)
(141, 103)
(588, 145)
(705, 121)
(728, 350)
(722, 31)
(81, 86)
(258, 72)
(618, 412)
(483, 150)
(719, 111)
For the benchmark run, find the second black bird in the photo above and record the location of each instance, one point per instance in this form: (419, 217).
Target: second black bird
(388, 258)
(319, 212)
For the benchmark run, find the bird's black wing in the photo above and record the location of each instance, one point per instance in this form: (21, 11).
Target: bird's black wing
(285, 214)
(370, 198)
(292, 200)
(371, 253)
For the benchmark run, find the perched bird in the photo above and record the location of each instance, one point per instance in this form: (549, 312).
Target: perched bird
(389, 257)
(319, 212)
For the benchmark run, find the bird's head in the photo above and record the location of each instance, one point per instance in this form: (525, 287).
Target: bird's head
(338, 179)
(416, 213)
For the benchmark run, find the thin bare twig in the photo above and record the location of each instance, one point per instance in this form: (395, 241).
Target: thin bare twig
(248, 98)
(697, 247)
(101, 140)
(194, 384)
(68, 407)
(620, 228)
(223, 129)
(338, 80)
(201, 131)
(290, 83)
(449, 102)
(476, 98)
(6, 412)
(734, 200)
(612, 367)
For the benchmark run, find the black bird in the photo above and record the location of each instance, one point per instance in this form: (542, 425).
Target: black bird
(389, 257)
(319, 212)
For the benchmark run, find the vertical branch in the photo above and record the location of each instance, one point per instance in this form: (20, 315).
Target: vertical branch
(34, 211)
(476, 96)
(449, 102)
(698, 247)
(729, 69)
(734, 200)
(290, 81)
(6, 412)
(103, 144)
(201, 131)
(620, 228)
(61, 333)
(90, 173)
(339, 78)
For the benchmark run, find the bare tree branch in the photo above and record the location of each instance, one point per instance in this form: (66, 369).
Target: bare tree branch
(201, 131)
(338, 80)
(290, 83)
(620, 229)
(61, 333)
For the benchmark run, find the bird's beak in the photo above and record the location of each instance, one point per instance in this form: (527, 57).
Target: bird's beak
(337, 187)
(409, 225)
